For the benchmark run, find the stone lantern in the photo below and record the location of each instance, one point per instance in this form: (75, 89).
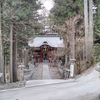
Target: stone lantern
(21, 67)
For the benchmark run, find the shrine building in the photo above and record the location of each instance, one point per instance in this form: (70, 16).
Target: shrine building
(45, 46)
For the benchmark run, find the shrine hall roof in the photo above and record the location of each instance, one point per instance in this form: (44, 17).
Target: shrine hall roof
(53, 41)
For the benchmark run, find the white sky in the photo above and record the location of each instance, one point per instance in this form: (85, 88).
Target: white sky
(47, 4)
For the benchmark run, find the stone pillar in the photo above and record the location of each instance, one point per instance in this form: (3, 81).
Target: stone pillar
(72, 61)
(22, 81)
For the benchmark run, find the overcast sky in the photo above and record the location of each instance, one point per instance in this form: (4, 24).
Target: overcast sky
(48, 4)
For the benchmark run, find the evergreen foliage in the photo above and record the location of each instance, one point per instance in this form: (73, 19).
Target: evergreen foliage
(97, 23)
(65, 9)
(97, 31)
(21, 13)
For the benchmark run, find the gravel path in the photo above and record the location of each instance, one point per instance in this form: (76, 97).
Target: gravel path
(38, 70)
(54, 73)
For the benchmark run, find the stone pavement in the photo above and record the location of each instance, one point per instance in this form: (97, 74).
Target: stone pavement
(46, 73)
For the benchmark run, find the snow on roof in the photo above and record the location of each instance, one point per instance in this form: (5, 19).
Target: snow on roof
(51, 41)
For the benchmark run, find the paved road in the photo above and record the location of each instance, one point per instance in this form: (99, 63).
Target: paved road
(86, 87)
(64, 91)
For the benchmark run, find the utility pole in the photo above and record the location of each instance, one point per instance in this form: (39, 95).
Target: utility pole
(91, 30)
(86, 26)
(1, 50)
(88, 20)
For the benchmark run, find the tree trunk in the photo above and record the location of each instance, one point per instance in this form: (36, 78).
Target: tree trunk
(73, 41)
(26, 58)
(1, 50)
(14, 58)
(11, 52)
(66, 62)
